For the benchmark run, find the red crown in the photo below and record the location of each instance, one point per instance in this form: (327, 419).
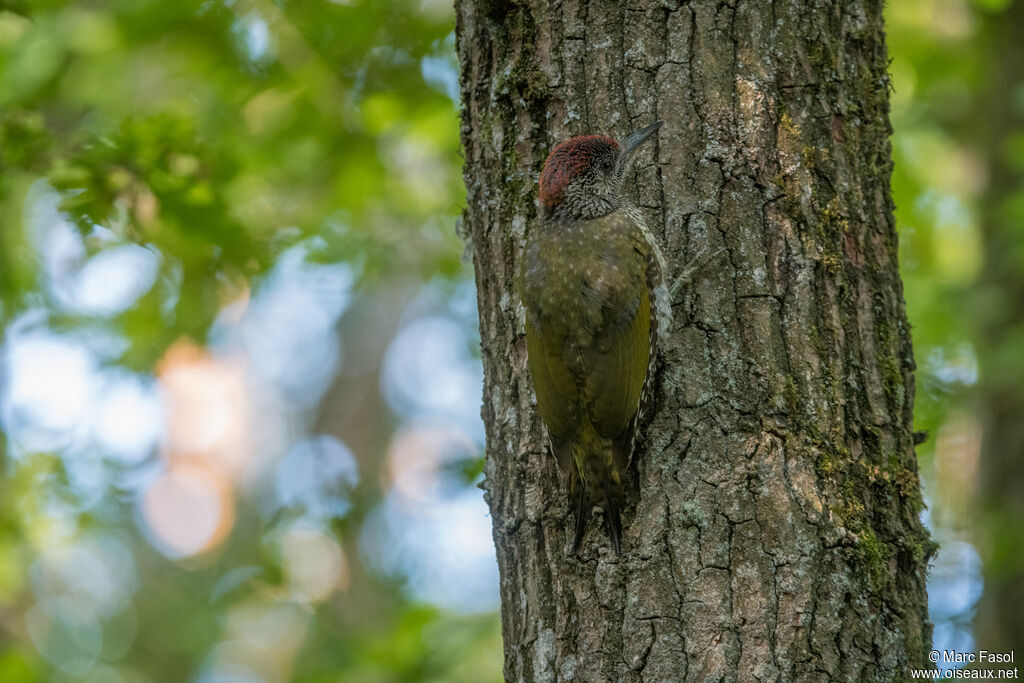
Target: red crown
(568, 160)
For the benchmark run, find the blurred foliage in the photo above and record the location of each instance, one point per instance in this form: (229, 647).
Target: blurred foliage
(222, 132)
(957, 113)
(997, 307)
(221, 136)
(941, 71)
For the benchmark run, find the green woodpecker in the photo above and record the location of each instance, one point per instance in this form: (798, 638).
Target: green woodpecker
(592, 285)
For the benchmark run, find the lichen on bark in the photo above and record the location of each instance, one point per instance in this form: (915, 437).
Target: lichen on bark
(774, 533)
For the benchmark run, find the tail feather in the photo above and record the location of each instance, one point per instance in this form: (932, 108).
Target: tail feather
(595, 477)
(613, 507)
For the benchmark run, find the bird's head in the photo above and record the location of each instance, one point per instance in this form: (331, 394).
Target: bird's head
(582, 177)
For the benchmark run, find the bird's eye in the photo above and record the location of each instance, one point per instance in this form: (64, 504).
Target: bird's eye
(606, 165)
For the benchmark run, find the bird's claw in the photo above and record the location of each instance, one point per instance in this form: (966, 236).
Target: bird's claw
(702, 258)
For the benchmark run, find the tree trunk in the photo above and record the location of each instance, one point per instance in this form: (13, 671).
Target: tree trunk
(774, 533)
(999, 307)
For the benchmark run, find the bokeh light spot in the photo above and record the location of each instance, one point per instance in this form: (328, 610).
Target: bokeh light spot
(187, 510)
(314, 564)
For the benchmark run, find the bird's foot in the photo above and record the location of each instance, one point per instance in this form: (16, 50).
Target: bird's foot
(691, 269)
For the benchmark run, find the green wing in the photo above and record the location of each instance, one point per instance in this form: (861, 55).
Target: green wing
(556, 389)
(616, 367)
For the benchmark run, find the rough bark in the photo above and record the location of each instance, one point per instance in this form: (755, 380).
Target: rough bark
(774, 533)
(999, 309)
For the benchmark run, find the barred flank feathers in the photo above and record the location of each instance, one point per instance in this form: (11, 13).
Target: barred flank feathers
(659, 331)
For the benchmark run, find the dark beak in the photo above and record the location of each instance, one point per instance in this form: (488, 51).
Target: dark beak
(629, 144)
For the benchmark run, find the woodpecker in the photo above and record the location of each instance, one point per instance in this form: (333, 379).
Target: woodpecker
(593, 288)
